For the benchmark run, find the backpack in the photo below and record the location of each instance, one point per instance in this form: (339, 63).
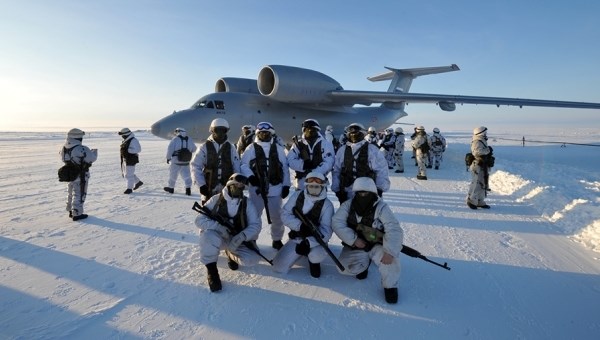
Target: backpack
(469, 159)
(184, 154)
(70, 171)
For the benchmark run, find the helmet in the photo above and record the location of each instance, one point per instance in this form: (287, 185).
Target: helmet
(399, 130)
(237, 179)
(479, 130)
(311, 123)
(358, 126)
(265, 126)
(371, 129)
(247, 127)
(389, 131)
(436, 130)
(124, 132)
(420, 128)
(364, 184)
(75, 133)
(218, 122)
(329, 128)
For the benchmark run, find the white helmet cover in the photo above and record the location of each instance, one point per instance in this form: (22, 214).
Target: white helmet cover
(364, 184)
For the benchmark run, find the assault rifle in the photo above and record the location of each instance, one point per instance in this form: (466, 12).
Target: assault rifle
(206, 212)
(415, 253)
(317, 235)
(263, 186)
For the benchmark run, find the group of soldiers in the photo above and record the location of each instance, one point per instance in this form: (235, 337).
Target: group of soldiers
(231, 221)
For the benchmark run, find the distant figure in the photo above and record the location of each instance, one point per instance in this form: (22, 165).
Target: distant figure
(233, 207)
(130, 148)
(265, 164)
(399, 150)
(438, 147)
(179, 155)
(523, 141)
(310, 153)
(77, 160)
(387, 144)
(372, 137)
(358, 158)
(245, 139)
(369, 232)
(314, 205)
(214, 161)
(421, 146)
(483, 160)
(331, 137)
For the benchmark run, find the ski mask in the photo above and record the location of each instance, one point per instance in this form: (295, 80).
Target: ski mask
(236, 191)
(219, 134)
(363, 202)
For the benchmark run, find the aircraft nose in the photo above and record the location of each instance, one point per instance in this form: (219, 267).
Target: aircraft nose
(155, 129)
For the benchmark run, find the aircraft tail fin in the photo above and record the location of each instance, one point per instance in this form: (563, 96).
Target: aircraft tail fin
(402, 78)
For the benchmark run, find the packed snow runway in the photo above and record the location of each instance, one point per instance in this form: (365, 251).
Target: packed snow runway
(527, 268)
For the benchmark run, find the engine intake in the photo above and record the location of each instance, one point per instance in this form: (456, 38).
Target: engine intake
(228, 84)
(447, 106)
(295, 85)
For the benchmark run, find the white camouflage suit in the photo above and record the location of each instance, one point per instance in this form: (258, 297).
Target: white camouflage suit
(214, 237)
(376, 161)
(274, 198)
(129, 170)
(287, 256)
(79, 154)
(198, 164)
(438, 147)
(421, 157)
(399, 152)
(178, 167)
(479, 149)
(357, 260)
(296, 162)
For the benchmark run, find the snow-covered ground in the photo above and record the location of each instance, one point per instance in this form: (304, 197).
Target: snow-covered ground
(528, 268)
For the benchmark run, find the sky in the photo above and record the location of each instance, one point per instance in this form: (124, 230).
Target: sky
(528, 268)
(97, 64)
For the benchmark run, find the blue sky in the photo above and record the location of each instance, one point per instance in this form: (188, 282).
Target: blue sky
(129, 63)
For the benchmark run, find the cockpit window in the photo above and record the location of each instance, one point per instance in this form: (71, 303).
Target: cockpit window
(219, 105)
(199, 104)
(210, 105)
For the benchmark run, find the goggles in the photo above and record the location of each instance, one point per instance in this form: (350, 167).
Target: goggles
(220, 129)
(179, 130)
(315, 180)
(264, 126)
(311, 124)
(363, 193)
(354, 129)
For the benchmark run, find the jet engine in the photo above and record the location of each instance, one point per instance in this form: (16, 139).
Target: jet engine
(295, 85)
(228, 84)
(447, 106)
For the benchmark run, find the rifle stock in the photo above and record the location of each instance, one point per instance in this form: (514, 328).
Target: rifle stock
(318, 236)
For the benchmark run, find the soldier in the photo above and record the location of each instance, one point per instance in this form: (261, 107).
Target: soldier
(311, 153)
(388, 143)
(245, 139)
(77, 158)
(236, 210)
(421, 145)
(130, 148)
(358, 158)
(312, 201)
(369, 232)
(179, 154)
(331, 137)
(438, 147)
(265, 164)
(483, 160)
(399, 150)
(214, 161)
(372, 137)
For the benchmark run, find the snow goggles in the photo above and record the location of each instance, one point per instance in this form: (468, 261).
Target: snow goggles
(315, 180)
(264, 126)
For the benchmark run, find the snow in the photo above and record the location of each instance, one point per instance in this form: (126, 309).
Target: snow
(527, 268)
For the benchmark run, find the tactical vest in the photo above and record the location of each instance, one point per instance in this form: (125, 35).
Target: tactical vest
(240, 220)
(317, 157)
(367, 220)
(275, 168)
(129, 158)
(216, 161)
(361, 162)
(313, 215)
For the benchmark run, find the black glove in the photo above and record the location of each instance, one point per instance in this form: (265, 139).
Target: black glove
(303, 248)
(168, 160)
(380, 192)
(253, 180)
(308, 165)
(342, 196)
(204, 190)
(285, 191)
(304, 230)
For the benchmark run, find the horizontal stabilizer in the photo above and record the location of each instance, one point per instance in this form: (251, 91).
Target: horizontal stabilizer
(413, 72)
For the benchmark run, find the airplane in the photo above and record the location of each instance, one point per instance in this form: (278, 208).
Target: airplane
(285, 96)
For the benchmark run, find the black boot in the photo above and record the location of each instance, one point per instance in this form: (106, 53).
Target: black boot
(391, 295)
(188, 191)
(471, 205)
(363, 275)
(231, 262)
(128, 191)
(214, 281)
(80, 217)
(277, 244)
(169, 190)
(315, 269)
(137, 185)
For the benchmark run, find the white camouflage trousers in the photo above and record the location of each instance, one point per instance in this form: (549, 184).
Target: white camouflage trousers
(75, 197)
(274, 203)
(211, 244)
(130, 176)
(286, 256)
(356, 261)
(183, 170)
(476, 193)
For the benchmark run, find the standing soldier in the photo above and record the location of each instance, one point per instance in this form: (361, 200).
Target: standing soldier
(372, 137)
(179, 154)
(77, 158)
(311, 153)
(438, 146)
(331, 137)
(215, 161)
(232, 207)
(265, 164)
(483, 160)
(399, 150)
(130, 148)
(388, 143)
(245, 139)
(358, 158)
(421, 145)
(369, 232)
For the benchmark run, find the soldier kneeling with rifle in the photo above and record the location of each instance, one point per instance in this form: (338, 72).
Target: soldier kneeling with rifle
(228, 221)
(369, 232)
(308, 214)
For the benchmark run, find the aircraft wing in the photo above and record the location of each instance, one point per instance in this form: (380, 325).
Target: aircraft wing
(370, 97)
